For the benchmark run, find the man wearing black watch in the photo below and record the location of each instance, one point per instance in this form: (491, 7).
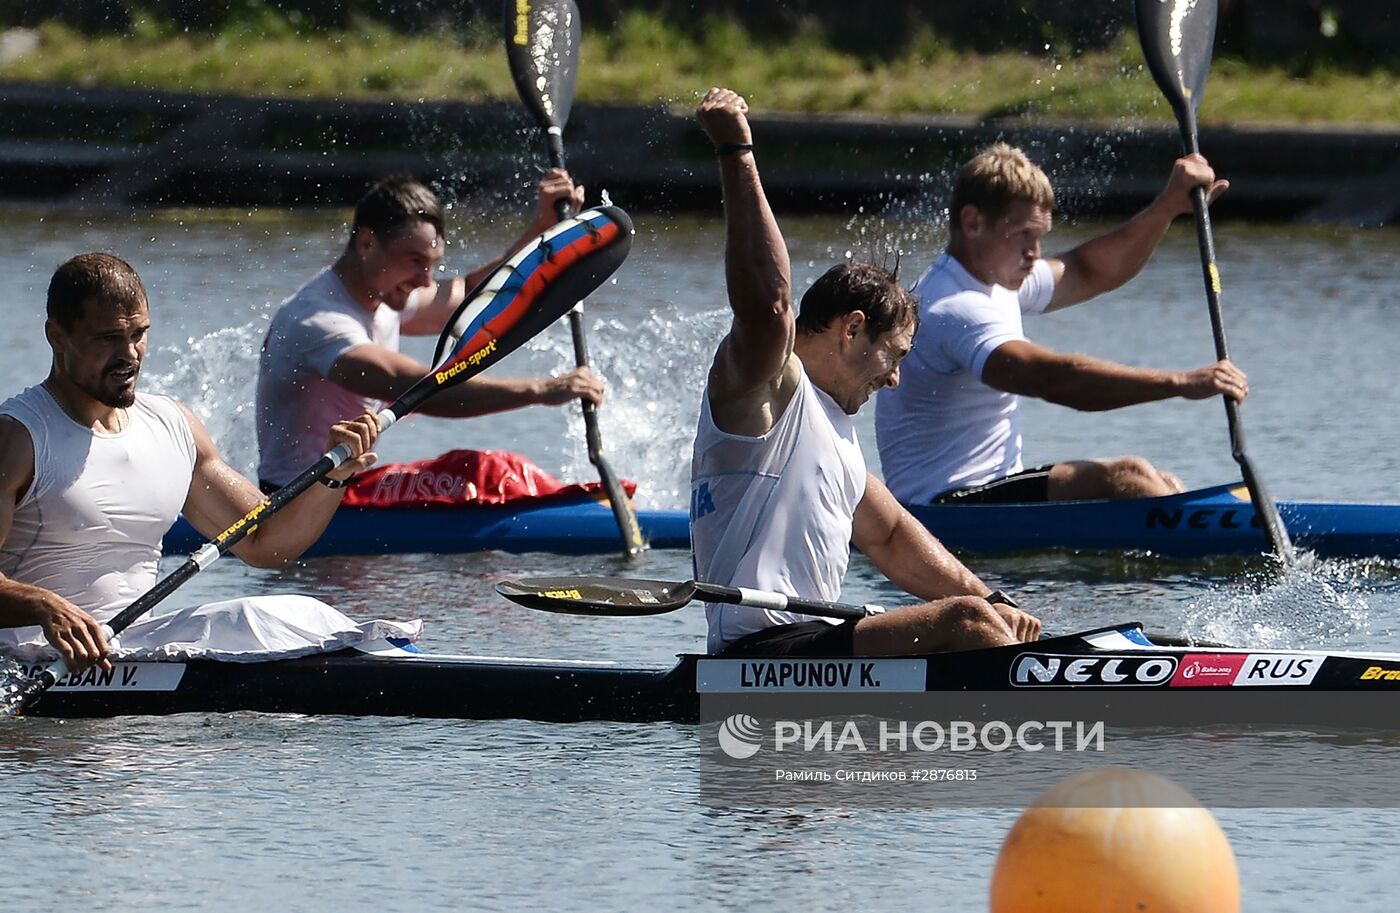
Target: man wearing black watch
(999, 597)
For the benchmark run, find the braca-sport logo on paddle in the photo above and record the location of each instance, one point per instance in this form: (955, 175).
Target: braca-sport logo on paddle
(740, 736)
(543, 280)
(1042, 670)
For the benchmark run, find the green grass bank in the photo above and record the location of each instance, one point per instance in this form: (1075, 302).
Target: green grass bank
(644, 60)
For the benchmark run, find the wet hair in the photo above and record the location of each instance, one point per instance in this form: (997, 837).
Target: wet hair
(92, 277)
(863, 287)
(993, 180)
(394, 203)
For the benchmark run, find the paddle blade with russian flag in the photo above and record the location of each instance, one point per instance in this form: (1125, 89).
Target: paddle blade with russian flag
(531, 290)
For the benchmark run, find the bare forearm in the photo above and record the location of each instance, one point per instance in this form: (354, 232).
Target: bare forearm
(20, 603)
(756, 265)
(219, 496)
(77, 636)
(919, 564)
(1108, 261)
(292, 530)
(1093, 385)
(474, 278)
(429, 319)
(475, 396)
(484, 395)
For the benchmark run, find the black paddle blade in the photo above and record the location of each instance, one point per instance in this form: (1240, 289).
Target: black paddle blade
(542, 41)
(1177, 39)
(598, 595)
(534, 288)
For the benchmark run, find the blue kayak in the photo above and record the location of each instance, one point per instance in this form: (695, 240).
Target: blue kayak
(568, 526)
(1207, 521)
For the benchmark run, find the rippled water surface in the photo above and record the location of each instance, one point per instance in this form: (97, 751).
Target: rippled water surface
(246, 812)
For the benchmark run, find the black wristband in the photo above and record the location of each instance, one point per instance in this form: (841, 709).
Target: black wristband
(332, 483)
(999, 597)
(733, 148)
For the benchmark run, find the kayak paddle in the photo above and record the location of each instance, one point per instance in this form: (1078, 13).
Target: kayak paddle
(510, 307)
(542, 41)
(625, 597)
(619, 597)
(1177, 39)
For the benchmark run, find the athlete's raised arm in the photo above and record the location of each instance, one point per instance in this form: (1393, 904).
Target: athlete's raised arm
(753, 373)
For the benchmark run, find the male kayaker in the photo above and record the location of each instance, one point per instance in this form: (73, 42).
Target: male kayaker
(779, 489)
(951, 432)
(333, 346)
(92, 474)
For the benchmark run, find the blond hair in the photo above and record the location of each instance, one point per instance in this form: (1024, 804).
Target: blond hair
(995, 178)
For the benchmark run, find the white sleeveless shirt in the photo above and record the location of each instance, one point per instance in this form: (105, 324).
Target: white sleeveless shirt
(89, 527)
(775, 512)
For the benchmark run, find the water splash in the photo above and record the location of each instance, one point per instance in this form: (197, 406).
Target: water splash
(653, 402)
(12, 681)
(216, 376)
(1318, 604)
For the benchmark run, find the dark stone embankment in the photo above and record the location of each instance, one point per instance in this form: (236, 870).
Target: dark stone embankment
(98, 148)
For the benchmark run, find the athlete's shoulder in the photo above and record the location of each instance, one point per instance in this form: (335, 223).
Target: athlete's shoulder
(16, 454)
(322, 293)
(947, 285)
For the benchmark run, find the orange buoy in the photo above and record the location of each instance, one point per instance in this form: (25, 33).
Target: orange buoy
(1116, 841)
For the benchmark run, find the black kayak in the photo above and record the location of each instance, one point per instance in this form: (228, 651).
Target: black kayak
(397, 682)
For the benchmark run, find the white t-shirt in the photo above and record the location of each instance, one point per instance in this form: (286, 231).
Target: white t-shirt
(775, 512)
(90, 525)
(942, 427)
(297, 403)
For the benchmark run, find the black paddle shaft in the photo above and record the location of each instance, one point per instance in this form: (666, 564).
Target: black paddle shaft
(1177, 40)
(542, 43)
(632, 541)
(592, 432)
(1264, 505)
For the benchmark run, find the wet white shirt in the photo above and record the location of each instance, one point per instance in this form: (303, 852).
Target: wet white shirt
(942, 427)
(90, 525)
(775, 512)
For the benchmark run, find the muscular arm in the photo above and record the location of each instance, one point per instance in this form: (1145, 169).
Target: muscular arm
(1094, 385)
(75, 634)
(905, 551)
(1108, 261)
(438, 302)
(372, 370)
(754, 373)
(443, 298)
(219, 496)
